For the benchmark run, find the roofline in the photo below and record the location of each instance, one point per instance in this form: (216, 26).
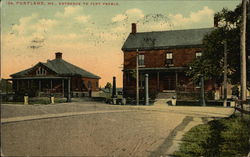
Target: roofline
(98, 77)
(39, 63)
(37, 78)
(173, 30)
(162, 47)
(159, 69)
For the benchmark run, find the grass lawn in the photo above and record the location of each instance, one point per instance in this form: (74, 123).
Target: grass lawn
(227, 137)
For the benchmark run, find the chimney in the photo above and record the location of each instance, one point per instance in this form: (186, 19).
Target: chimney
(216, 21)
(58, 55)
(133, 28)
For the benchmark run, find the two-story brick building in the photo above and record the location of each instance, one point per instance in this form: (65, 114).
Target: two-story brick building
(56, 76)
(165, 56)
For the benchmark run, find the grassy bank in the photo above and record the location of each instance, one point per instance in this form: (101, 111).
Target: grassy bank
(228, 137)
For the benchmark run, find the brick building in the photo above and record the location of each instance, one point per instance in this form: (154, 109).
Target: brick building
(57, 77)
(165, 56)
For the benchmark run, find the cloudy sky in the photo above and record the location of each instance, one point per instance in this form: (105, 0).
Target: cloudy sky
(90, 35)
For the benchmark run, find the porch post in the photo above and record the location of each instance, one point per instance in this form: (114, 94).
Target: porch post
(17, 85)
(63, 87)
(158, 81)
(39, 90)
(51, 85)
(68, 99)
(176, 80)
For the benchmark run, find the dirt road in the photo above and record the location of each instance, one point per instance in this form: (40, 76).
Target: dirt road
(142, 131)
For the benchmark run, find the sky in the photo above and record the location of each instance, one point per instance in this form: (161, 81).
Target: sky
(90, 34)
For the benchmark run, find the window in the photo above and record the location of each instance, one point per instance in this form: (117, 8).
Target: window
(198, 54)
(89, 85)
(83, 85)
(40, 71)
(141, 60)
(169, 58)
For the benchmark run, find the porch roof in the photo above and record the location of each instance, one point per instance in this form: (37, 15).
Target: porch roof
(39, 78)
(166, 69)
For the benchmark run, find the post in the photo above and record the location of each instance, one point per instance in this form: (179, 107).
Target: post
(51, 85)
(243, 53)
(63, 87)
(137, 79)
(17, 85)
(68, 99)
(39, 90)
(146, 90)
(114, 88)
(158, 81)
(202, 91)
(26, 99)
(176, 80)
(225, 75)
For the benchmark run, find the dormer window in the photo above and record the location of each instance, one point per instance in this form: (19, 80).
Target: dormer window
(169, 58)
(40, 71)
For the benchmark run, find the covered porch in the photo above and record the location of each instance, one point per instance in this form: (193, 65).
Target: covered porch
(161, 80)
(42, 86)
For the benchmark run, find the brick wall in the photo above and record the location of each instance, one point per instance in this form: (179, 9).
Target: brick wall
(157, 58)
(77, 84)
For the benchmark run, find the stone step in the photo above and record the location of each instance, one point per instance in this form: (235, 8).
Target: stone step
(167, 95)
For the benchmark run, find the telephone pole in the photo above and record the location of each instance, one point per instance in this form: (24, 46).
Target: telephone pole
(225, 75)
(137, 78)
(243, 53)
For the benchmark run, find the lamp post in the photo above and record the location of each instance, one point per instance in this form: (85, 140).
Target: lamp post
(137, 78)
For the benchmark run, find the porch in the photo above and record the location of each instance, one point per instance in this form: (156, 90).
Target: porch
(42, 86)
(161, 80)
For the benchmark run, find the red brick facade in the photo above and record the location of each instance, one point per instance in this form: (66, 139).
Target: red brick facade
(157, 58)
(55, 77)
(162, 77)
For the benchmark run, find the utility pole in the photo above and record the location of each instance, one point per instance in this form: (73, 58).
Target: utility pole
(225, 75)
(243, 53)
(137, 78)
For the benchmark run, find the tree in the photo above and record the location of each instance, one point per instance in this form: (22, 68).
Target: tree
(108, 86)
(210, 64)
(5, 86)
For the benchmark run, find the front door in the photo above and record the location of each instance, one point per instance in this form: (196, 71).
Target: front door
(169, 83)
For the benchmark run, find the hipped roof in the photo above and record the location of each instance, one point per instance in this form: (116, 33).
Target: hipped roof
(61, 68)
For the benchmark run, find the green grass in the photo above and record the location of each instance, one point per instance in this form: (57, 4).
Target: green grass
(228, 137)
(46, 100)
